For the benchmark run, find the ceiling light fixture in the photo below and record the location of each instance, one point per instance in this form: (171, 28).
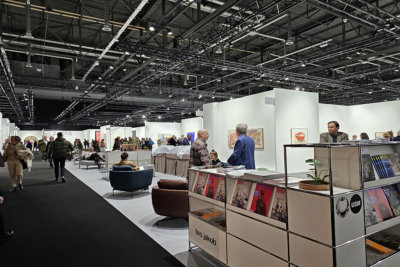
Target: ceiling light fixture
(169, 32)
(143, 116)
(345, 20)
(218, 51)
(111, 67)
(392, 27)
(289, 41)
(297, 88)
(124, 69)
(303, 64)
(323, 45)
(151, 27)
(127, 53)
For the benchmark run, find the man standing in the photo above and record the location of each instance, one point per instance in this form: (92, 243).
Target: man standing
(42, 147)
(59, 150)
(199, 155)
(333, 135)
(49, 157)
(243, 153)
(185, 141)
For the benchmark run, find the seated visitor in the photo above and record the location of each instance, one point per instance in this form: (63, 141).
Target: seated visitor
(333, 135)
(397, 138)
(125, 162)
(92, 155)
(215, 160)
(354, 137)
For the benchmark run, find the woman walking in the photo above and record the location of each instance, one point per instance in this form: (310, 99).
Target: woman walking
(15, 168)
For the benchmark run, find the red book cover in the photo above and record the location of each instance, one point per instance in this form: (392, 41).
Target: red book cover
(220, 196)
(212, 185)
(380, 203)
(262, 199)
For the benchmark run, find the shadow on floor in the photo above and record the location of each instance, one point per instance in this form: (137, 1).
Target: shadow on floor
(120, 195)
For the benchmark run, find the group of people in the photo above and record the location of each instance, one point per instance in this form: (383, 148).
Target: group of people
(182, 141)
(132, 144)
(335, 136)
(243, 152)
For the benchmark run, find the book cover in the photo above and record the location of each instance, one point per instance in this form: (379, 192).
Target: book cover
(368, 169)
(278, 208)
(380, 203)
(262, 199)
(242, 193)
(386, 164)
(393, 196)
(371, 217)
(394, 161)
(212, 184)
(220, 195)
(200, 183)
(378, 168)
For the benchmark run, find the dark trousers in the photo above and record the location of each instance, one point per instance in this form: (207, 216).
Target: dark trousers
(2, 231)
(51, 163)
(59, 163)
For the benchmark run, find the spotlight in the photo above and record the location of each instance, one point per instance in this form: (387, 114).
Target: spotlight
(170, 96)
(345, 20)
(218, 51)
(289, 41)
(200, 96)
(183, 100)
(76, 87)
(159, 117)
(111, 67)
(297, 88)
(127, 53)
(370, 92)
(392, 27)
(124, 69)
(303, 64)
(151, 27)
(169, 32)
(143, 116)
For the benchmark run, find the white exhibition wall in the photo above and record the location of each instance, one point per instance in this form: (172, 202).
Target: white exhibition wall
(295, 109)
(192, 125)
(369, 118)
(1, 130)
(152, 129)
(5, 130)
(140, 132)
(25, 133)
(68, 135)
(252, 110)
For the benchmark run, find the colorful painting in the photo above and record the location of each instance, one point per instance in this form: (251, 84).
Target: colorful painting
(192, 134)
(256, 133)
(162, 136)
(299, 135)
(97, 136)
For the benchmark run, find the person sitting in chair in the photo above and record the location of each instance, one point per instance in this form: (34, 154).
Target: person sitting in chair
(125, 162)
(91, 155)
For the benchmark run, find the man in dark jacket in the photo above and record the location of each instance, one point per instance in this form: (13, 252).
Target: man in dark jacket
(59, 150)
(397, 138)
(3, 234)
(243, 153)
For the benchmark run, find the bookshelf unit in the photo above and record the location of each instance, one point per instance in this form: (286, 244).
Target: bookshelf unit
(313, 228)
(330, 228)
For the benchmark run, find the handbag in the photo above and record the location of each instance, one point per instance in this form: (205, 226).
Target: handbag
(24, 165)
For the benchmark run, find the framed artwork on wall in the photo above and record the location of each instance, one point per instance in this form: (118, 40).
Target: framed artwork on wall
(97, 136)
(379, 135)
(299, 135)
(256, 133)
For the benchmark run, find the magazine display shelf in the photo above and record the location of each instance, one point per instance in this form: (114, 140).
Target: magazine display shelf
(202, 233)
(331, 228)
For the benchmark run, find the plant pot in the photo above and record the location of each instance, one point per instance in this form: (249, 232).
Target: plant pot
(309, 185)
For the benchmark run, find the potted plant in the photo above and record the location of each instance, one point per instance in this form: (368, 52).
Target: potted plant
(318, 183)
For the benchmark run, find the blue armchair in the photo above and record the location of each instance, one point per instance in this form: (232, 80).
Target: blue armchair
(124, 178)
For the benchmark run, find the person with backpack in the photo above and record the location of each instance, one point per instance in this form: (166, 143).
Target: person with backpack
(42, 144)
(59, 149)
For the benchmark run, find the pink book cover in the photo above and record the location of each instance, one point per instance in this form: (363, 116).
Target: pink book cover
(200, 183)
(262, 199)
(212, 184)
(220, 196)
(380, 203)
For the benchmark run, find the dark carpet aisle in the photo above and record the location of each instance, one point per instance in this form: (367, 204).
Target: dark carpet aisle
(70, 225)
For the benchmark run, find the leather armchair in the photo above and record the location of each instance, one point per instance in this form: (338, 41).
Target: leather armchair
(170, 198)
(124, 178)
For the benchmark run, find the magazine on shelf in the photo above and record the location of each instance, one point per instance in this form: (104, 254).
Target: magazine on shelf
(260, 176)
(262, 199)
(394, 163)
(368, 169)
(208, 214)
(386, 164)
(212, 184)
(241, 194)
(200, 183)
(371, 217)
(380, 203)
(278, 208)
(220, 195)
(393, 196)
(378, 167)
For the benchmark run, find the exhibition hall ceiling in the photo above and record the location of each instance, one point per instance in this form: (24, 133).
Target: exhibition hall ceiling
(96, 62)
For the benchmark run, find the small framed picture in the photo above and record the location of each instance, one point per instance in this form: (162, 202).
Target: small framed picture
(299, 135)
(379, 135)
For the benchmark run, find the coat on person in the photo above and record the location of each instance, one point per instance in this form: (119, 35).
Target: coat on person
(243, 153)
(27, 157)
(327, 137)
(60, 148)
